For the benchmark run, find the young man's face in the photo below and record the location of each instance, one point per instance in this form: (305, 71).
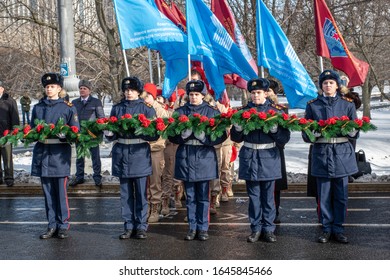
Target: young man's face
(329, 87)
(196, 98)
(52, 91)
(131, 94)
(258, 96)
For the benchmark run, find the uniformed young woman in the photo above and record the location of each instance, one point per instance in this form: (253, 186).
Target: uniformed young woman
(333, 160)
(131, 161)
(196, 163)
(260, 163)
(52, 157)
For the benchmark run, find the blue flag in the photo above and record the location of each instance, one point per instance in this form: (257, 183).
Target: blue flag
(208, 41)
(140, 24)
(276, 53)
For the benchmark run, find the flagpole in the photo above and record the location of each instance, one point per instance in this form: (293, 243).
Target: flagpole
(261, 71)
(189, 67)
(150, 66)
(127, 66)
(158, 68)
(321, 63)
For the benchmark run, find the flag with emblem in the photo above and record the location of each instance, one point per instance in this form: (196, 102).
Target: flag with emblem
(140, 23)
(276, 53)
(330, 44)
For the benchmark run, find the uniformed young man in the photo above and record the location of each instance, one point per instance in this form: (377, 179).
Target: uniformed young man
(260, 163)
(131, 160)
(333, 160)
(196, 162)
(52, 157)
(88, 108)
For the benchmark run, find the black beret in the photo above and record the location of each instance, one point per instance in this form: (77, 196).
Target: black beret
(52, 79)
(132, 83)
(195, 86)
(85, 83)
(329, 75)
(259, 83)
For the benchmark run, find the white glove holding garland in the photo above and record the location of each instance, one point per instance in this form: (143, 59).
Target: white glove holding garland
(108, 133)
(238, 127)
(352, 133)
(201, 136)
(186, 133)
(316, 133)
(274, 128)
(61, 135)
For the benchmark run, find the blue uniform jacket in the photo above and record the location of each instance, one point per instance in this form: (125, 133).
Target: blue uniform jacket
(53, 160)
(196, 163)
(331, 160)
(91, 110)
(260, 165)
(131, 161)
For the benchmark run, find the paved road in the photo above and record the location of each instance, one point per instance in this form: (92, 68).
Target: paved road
(96, 224)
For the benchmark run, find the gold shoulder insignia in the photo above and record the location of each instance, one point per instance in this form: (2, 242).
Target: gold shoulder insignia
(277, 106)
(70, 104)
(149, 105)
(214, 107)
(347, 99)
(311, 101)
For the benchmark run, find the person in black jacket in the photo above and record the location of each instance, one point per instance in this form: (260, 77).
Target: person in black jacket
(88, 108)
(196, 162)
(52, 157)
(9, 117)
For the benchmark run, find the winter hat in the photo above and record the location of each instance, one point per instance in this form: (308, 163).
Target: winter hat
(52, 79)
(257, 84)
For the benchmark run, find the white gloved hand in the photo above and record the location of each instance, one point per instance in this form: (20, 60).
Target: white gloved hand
(201, 136)
(61, 135)
(274, 128)
(352, 133)
(238, 127)
(316, 133)
(108, 133)
(186, 133)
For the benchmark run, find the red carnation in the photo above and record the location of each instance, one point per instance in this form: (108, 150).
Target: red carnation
(26, 129)
(204, 119)
(285, 116)
(303, 121)
(321, 123)
(212, 122)
(262, 115)
(183, 118)
(159, 120)
(52, 126)
(196, 115)
(344, 118)
(145, 123)
(113, 119)
(160, 126)
(39, 128)
(359, 122)
(142, 117)
(171, 120)
(252, 111)
(271, 112)
(101, 121)
(5, 133)
(332, 121)
(246, 115)
(366, 119)
(75, 129)
(127, 116)
(15, 131)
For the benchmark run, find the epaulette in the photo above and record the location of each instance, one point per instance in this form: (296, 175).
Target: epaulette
(149, 105)
(70, 104)
(311, 101)
(278, 106)
(347, 99)
(214, 107)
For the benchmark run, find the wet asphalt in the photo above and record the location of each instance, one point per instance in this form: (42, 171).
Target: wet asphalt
(96, 224)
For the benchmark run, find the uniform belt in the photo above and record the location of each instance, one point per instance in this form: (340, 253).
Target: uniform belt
(332, 140)
(52, 141)
(259, 146)
(131, 141)
(193, 142)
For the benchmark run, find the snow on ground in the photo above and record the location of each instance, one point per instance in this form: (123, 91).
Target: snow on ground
(374, 143)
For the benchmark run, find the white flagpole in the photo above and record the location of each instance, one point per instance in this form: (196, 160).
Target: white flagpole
(189, 67)
(127, 66)
(321, 62)
(150, 66)
(261, 72)
(158, 68)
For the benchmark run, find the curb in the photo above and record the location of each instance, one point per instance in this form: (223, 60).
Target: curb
(88, 189)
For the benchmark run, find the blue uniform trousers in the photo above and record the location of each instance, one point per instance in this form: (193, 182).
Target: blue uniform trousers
(96, 165)
(56, 201)
(261, 210)
(333, 199)
(198, 203)
(134, 203)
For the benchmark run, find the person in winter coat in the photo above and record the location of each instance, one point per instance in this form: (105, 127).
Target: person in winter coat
(9, 117)
(25, 102)
(131, 160)
(260, 163)
(196, 162)
(333, 160)
(52, 157)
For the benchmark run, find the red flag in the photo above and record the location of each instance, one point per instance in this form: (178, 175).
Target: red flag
(330, 44)
(176, 11)
(164, 8)
(224, 14)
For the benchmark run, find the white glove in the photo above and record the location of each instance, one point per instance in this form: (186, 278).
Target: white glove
(201, 136)
(108, 133)
(238, 127)
(316, 133)
(186, 133)
(274, 129)
(352, 133)
(61, 135)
